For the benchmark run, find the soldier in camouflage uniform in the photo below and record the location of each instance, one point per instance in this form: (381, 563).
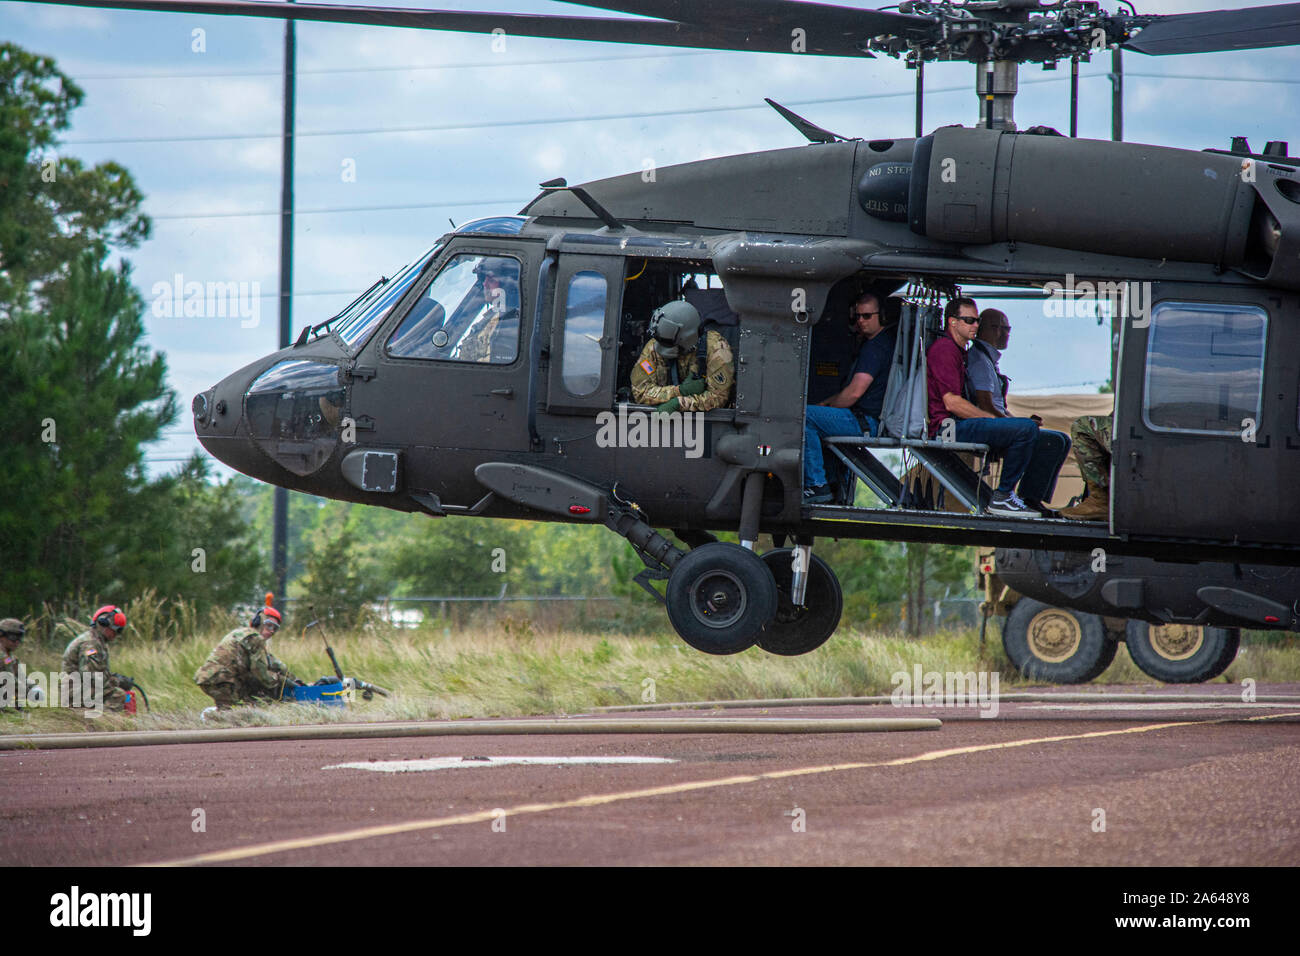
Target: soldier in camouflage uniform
(1091, 434)
(241, 668)
(492, 334)
(674, 331)
(11, 634)
(88, 654)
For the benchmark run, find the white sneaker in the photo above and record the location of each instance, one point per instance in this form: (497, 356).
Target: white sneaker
(1010, 506)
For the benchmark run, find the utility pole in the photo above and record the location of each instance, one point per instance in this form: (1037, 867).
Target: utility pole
(280, 532)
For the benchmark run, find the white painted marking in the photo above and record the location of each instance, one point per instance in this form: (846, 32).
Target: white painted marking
(456, 763)
(1154, 705)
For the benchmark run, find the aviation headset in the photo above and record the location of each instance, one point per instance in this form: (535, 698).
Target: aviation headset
(110, 616)
(267, 611)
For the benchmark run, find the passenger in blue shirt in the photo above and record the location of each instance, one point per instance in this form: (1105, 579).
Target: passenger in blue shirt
(856, 408)
(990, 386)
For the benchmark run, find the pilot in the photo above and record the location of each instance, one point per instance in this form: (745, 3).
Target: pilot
(990, 387)
(856, 408)
(491, 329)
(88, 654)
(946, 384)
(667, 373)
(241, 668)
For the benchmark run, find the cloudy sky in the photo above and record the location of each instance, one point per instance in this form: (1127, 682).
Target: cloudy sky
(401, 130)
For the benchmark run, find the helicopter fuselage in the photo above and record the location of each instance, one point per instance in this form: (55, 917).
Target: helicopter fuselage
(1202, 249)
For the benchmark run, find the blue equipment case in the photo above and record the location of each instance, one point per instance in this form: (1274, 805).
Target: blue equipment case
(332, 693)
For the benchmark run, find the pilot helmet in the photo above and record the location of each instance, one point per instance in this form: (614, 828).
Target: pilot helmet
(499, 267)
(675, 327)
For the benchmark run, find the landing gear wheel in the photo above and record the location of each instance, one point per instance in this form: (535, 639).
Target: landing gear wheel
(1178, 654)
(720, 597)
(798, 630)
(1056, 645)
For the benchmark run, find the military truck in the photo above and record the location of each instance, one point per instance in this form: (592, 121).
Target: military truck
(1182, 622)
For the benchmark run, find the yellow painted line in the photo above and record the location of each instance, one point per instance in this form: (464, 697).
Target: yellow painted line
(485, 816)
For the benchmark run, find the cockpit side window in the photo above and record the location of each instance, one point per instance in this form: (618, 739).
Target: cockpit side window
(469, 313)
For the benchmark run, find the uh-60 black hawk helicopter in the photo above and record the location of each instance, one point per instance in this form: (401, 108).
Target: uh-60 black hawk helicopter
(387, 404)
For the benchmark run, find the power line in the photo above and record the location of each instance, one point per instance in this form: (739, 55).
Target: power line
(546, 121)
(332, 209)
(1215, 79)
(409, 68)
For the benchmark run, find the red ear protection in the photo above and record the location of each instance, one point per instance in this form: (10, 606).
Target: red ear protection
(110, 616)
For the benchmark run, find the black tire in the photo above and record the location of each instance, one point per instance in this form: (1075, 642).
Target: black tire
(720, 597)
(1187, 655)
(798, 630)
(1057, 645)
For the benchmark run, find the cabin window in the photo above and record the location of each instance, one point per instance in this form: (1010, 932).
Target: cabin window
(584, 326)
(1205, 368)
(469, 313)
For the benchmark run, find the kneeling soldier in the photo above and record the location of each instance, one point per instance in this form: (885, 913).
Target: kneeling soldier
(241, 668)
(88, 654)
(11, 634)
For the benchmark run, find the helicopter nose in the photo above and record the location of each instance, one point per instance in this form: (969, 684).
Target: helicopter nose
(218, 424)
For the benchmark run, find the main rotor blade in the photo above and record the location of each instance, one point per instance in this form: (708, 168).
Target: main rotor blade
(644, 32)
(1248, 29)
(781, 16)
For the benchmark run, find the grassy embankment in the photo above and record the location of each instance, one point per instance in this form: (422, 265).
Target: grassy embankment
(512, 667)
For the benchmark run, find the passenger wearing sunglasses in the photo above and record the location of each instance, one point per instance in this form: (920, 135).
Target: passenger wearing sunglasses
(950, 398)
(856, 408)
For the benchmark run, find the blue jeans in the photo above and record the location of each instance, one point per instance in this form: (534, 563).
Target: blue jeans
(1039, 481)
(820, 421)
(1015, 438)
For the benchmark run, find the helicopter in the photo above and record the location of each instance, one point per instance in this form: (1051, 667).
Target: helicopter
(1199, 250)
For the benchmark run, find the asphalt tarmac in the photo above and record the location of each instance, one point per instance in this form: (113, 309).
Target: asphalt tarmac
(1162, 782)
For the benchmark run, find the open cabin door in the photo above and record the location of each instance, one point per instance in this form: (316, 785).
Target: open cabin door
(1205, 441)
(583, 352)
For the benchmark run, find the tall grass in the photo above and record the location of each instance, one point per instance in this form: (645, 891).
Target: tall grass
(516, 665)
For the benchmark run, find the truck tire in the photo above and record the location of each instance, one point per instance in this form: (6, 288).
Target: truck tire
(1182, 654)
(1056, 645)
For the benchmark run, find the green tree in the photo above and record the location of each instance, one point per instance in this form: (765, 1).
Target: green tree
(459, 557)
(52, 207)
(193, 542)
(340, 580)
(82, 398)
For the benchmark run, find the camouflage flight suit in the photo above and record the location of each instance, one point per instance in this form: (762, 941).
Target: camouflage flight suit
(496, 340)
(240, 668)
(1091, 435)
(650, 376)
(88, 654)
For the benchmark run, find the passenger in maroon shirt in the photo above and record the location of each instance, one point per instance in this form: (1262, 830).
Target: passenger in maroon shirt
(1015, 438)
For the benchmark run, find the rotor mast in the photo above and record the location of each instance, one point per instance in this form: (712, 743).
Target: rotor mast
(996, 84)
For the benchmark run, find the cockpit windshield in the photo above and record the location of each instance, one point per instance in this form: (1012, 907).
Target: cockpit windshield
(355, 323)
